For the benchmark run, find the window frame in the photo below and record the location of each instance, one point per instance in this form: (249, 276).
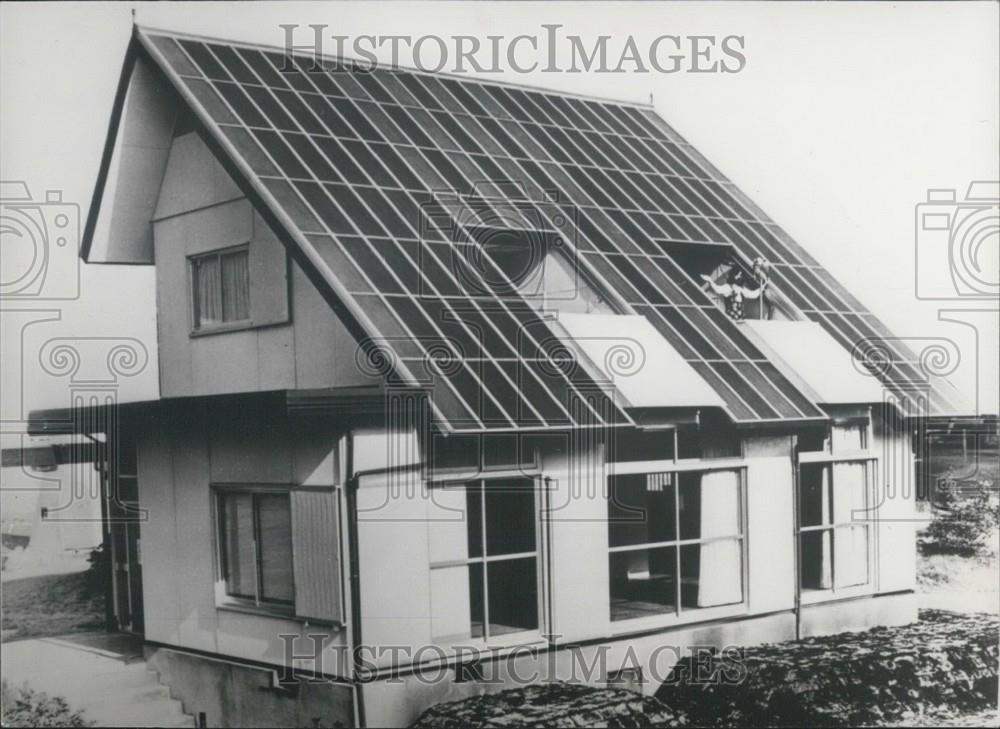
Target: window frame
(257, 604)
(454, 480)
(829, 457)
(196, 328)
(676, 467)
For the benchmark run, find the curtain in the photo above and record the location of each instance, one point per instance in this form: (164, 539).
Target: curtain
(236, 286)
(850, 542)
(237, 528)
(720, 580)
(209, 301)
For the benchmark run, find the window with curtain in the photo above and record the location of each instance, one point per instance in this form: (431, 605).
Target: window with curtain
(833, 527)
(676, 542)
(220, 283)
(484, 559)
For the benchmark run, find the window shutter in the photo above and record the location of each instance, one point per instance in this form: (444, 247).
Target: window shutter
(316, 549)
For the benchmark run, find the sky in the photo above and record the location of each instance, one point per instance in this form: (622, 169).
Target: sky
(841, 120)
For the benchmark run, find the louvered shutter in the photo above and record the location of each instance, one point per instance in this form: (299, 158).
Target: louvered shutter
(316, 561)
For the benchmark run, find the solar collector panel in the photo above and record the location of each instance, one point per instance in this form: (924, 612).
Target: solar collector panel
(463, 148)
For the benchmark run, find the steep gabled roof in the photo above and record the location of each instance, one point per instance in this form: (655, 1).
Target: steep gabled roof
(379, 179)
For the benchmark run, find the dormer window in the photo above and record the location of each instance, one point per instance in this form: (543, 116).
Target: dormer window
(220, 288)
(742, 290)
(539, 268)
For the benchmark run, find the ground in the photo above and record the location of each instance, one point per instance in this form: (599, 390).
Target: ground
(50, 605)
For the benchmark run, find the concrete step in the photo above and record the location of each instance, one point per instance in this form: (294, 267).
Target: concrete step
(160, 712)
(107, 688)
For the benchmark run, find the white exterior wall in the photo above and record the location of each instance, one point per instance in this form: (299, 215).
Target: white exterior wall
(895, 497)
(181, 452)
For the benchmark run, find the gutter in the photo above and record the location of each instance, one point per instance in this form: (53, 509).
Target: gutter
(354, 575)
(796, 539)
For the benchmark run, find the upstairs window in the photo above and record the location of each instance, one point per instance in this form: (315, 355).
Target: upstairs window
(220, 288)
(742, 291)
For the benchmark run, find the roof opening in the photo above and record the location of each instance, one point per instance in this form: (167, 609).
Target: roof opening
(536, 266)
(742, 291)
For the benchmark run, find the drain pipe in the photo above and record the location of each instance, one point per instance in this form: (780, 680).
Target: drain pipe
(353, 483)
(354, 576)
(796, 538)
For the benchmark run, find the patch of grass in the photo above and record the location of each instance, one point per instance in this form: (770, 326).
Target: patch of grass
(51, 605)
(955, 573)
(22, 707)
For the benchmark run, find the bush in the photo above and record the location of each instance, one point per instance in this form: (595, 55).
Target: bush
(22, 707)
(965, 520)
(97, 572)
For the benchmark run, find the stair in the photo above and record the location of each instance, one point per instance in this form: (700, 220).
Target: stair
(110, 688)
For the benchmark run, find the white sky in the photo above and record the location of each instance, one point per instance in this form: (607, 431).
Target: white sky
(842, 119)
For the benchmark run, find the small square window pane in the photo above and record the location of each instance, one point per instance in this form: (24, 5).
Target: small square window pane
(451, 606)
(816, 555)
(850, 555)
(641, 509)
(850, 497)
(643, 582)
(711, 574)
(510, 516)
(815, 496)
(448, 524)
(455, 452)
(709, 505)
(513, 595)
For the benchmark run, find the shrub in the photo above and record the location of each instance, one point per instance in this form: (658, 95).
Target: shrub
(97, 572)
(22, 707)
(966, 517)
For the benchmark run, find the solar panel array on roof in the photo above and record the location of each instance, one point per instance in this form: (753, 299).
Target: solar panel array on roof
(362, 162)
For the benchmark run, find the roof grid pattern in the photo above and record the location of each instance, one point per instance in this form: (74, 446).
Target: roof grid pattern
(360, 161)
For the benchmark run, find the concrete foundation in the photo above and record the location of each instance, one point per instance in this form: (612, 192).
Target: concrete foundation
(228, 694)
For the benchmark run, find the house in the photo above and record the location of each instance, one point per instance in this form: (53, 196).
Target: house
(446, 402)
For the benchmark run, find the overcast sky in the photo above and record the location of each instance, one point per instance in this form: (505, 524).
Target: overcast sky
(843, 117)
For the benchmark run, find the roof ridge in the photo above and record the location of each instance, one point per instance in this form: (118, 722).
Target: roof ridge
(408, 69)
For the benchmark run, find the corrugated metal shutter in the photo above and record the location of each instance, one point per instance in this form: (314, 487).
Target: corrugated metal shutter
(316, 562)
